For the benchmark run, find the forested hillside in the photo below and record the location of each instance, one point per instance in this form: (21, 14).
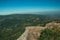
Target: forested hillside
(12, 26)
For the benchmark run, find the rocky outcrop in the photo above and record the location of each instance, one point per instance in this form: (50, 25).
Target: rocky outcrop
(52, 24)
(33, 32)
(23, 36)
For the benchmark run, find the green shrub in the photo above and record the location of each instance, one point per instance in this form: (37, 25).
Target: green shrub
(49, 34)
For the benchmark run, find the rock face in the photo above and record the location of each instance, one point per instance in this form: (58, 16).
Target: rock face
(23, 36)
(33, 32)
(52, 24)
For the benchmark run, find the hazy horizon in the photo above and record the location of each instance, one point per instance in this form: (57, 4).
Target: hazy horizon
(27, 6)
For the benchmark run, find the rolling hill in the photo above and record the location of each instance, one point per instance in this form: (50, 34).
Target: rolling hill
(12, 26)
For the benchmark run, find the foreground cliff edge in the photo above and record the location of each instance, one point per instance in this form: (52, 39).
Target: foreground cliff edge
(33, 32)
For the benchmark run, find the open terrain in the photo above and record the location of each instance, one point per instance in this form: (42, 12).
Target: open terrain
(12, 26)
